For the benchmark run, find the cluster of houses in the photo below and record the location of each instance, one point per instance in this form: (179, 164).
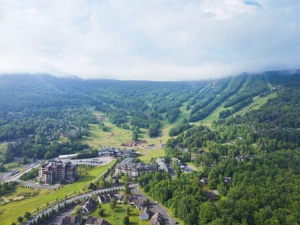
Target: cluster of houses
(50, 137)
(77, 220)
(155, 218)
(132, 169)
(117, 152)
(182, 166)
(88, 207)
(134, 200)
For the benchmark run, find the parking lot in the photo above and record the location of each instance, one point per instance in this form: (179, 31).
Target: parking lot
(98, 161)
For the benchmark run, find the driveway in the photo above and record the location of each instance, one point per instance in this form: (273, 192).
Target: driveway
(155, 207)
(17, 176)
(58, 218)
(39, 186)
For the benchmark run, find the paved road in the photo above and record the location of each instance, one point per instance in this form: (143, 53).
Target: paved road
(155, 207)
(31, 183)
(72, 199)
(39, 186)
(17, 177)
(58, 218)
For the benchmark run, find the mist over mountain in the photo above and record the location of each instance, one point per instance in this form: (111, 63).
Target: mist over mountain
(160, 40)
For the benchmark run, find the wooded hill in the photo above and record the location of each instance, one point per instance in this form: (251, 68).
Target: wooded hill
(254, 139)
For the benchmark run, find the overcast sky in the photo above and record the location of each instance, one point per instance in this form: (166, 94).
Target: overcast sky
(149, 40)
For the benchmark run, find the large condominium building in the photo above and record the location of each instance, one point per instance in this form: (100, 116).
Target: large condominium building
(56, 171)
(132, 169)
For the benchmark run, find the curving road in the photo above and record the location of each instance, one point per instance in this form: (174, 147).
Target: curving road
(17, 176)
(79, 197)
(155, 207)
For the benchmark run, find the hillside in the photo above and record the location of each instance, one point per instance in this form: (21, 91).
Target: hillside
(246, 127)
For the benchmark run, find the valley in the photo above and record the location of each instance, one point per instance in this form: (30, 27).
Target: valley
(213, 134)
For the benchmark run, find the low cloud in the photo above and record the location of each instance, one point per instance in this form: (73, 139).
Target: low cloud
(148, 40)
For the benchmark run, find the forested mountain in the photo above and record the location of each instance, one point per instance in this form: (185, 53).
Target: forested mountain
(252, 160)
(44, 105)
(249, 154)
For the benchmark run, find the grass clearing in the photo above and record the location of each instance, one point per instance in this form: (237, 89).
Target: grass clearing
(113, 137)
(10, 212)
(256, 104)
(214, 116)
(147, 154)
(116, 216)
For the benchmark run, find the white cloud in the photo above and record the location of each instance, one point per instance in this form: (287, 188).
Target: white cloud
(156, 40)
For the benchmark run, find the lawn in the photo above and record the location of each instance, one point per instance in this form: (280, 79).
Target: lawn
(9, 212)
(147, 154)
(14, 165)
(115, 217)
(113, 137)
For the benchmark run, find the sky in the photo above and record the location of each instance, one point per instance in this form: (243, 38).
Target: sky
(149, 40)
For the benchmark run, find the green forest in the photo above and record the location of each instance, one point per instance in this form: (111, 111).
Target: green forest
(249, 154)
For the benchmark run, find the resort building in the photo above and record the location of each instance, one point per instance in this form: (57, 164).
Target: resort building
(57, 171)
(132, 169)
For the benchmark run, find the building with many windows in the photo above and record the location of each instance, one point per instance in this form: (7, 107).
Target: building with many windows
(57, 171)
(132, 169)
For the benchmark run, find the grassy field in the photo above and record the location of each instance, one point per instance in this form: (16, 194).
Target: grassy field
(113, 137)
(147, 154)
(10, 212)
(116, 216)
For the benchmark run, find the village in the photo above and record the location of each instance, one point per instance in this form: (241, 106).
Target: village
(148, 209)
